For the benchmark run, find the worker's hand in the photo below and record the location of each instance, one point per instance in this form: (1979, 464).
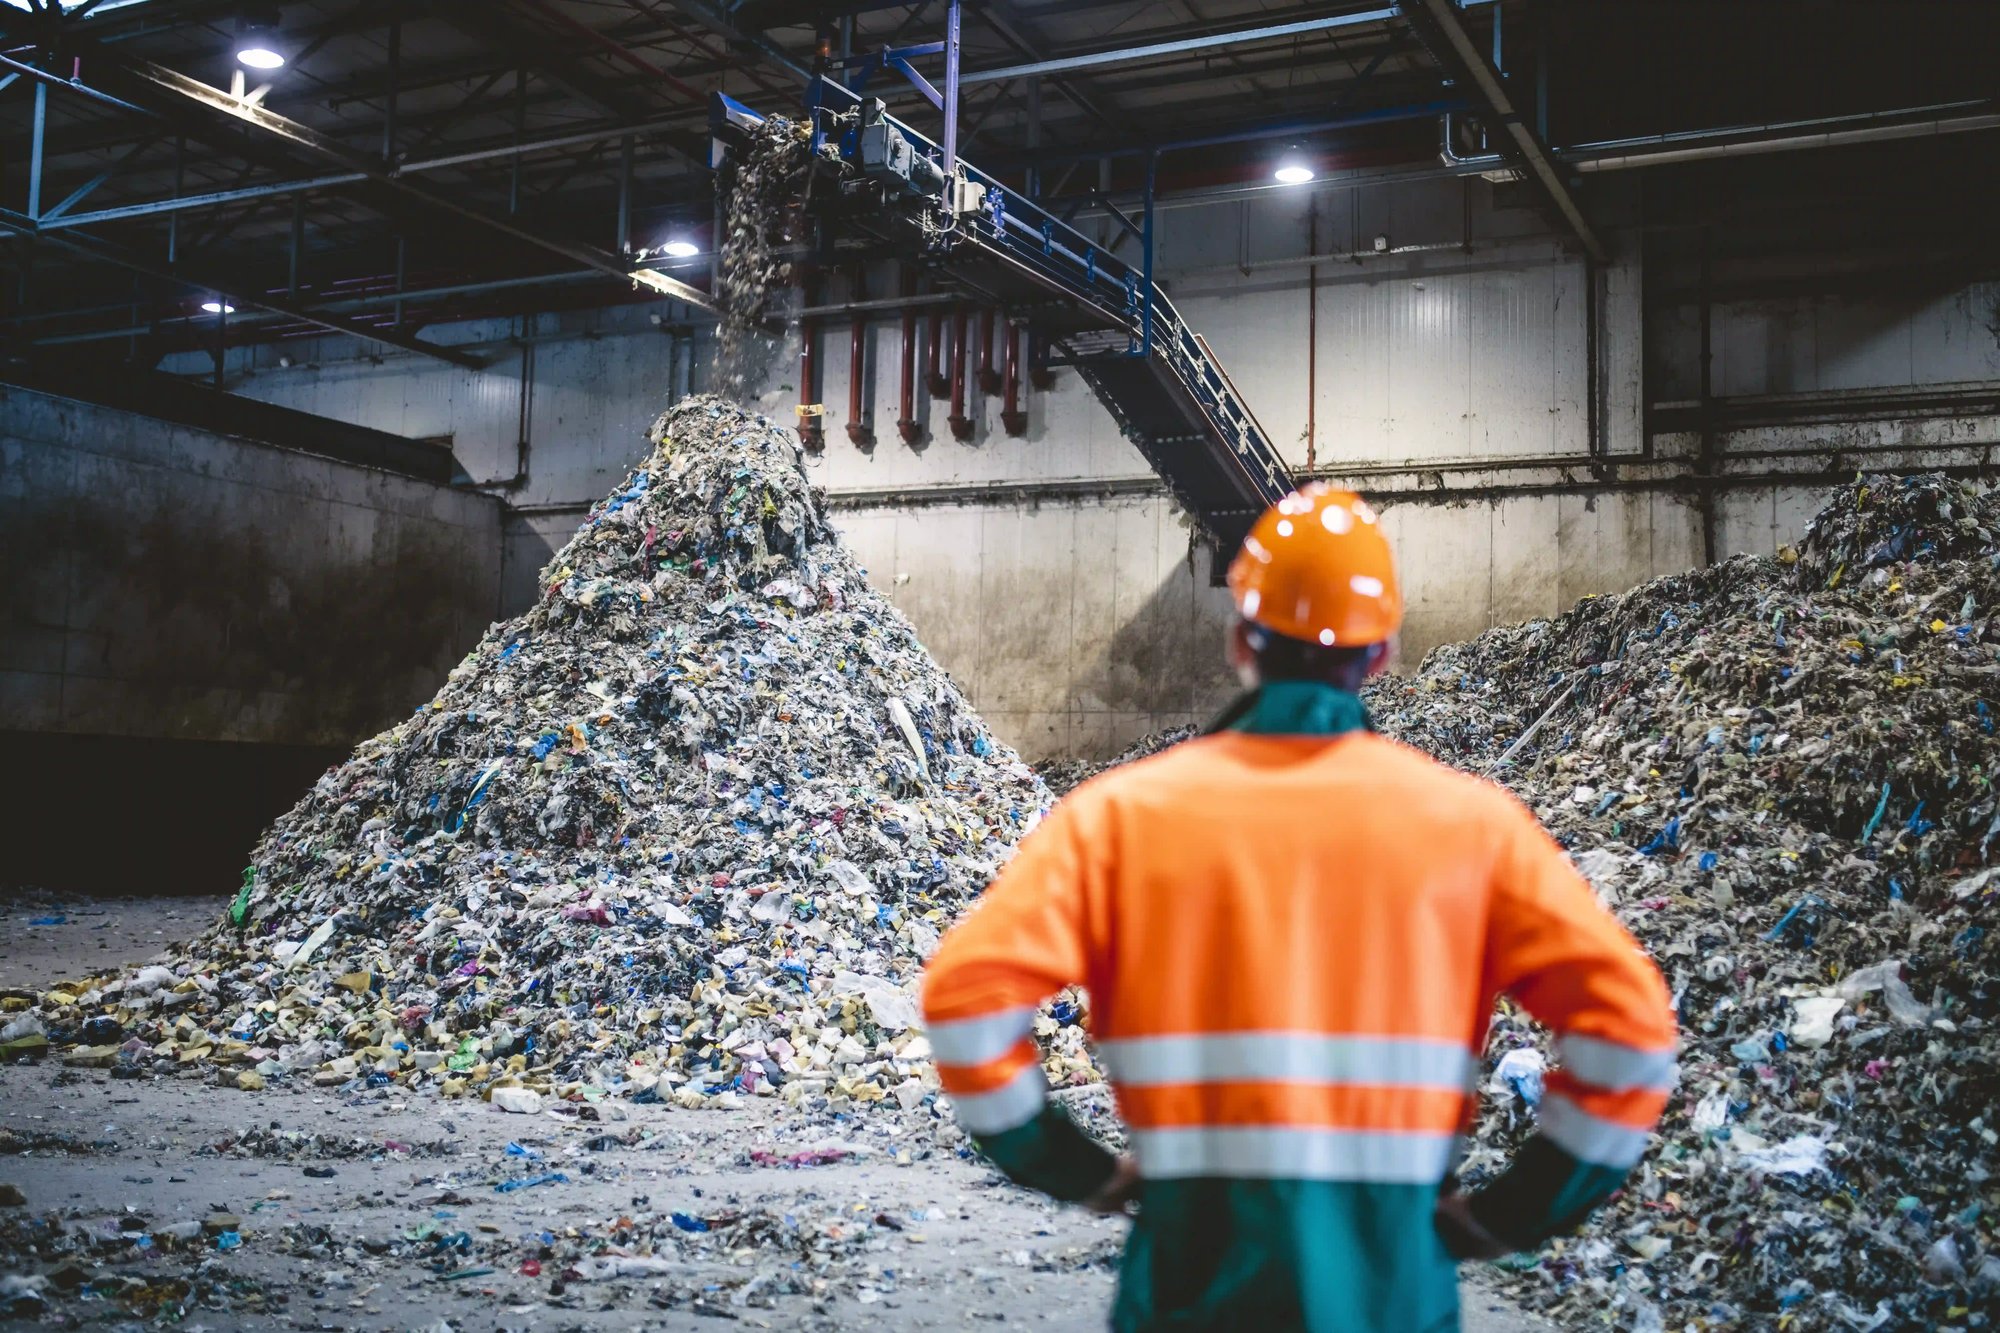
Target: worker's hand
(1463, 1236)
(1120, 1192)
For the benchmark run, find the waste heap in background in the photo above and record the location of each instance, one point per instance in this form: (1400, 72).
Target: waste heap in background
(684, 830)
(1779, 773)
(1063, 776)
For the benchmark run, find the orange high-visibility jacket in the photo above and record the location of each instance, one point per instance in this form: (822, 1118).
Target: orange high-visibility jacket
(1292, 947)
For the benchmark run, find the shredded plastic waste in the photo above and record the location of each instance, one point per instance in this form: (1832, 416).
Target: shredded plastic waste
(1779, 773)
(761, 188)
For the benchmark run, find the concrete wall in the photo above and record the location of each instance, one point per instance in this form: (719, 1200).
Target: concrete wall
(1450, 379)
(166, 582)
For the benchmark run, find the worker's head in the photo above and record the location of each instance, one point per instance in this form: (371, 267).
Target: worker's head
(1316, 594)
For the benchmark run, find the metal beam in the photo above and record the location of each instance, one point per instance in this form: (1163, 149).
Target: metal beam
(35, 154)
(1132, 55)
(83, 191)
(1439, 24)
(160, 81)
(953, 81)
(234, 293)
(717, 18)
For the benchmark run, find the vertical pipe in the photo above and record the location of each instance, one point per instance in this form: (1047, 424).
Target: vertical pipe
(961, 424)
(989, 378)
(1012, 418)
(221, 334)
(174, 222)
(402, 259)
(859, 433)
(1706, 455)
(395, 80)
(1542, 26)
(298, 244)
(1146, 319)
(1034, 180)
(520, 132)
(624, 246)
(906, 421)
(950, 95)
(35, 152)
(934, 381)
(1312, 337)
(811, 431)
(1593, 359)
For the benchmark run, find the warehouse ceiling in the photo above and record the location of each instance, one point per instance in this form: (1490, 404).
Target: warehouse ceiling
(417, 161)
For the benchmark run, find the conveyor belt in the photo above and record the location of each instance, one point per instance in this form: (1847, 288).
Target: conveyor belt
(1102, 315)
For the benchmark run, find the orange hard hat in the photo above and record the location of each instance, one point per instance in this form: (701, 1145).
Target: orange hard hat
(1317, 567)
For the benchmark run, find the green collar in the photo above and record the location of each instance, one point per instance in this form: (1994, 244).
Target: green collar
(1294, 708)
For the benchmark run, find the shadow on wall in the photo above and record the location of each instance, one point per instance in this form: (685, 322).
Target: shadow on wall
(175, 628)
(526, 545)
(1162, 667)
(115, 815)
(186, 670)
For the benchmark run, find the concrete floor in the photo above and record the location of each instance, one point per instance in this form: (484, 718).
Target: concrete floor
(335, 1248)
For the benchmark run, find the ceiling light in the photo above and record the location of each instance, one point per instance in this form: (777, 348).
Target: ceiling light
(260, 57)
(218, 308)
(680, 249)
(1293, 173)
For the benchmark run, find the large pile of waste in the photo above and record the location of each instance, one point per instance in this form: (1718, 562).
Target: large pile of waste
(684, 830)
(1779, 772)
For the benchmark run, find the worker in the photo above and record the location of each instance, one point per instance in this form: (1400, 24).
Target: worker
(1293, 933)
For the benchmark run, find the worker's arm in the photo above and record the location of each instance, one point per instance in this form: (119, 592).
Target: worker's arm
(1567, 961)
(1023, 942)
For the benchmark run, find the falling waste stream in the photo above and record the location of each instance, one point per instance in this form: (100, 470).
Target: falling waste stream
(685, 831)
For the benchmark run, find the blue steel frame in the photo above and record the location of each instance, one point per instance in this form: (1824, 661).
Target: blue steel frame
(1061, 257)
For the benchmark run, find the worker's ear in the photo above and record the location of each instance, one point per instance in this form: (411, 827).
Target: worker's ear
(1380, 655)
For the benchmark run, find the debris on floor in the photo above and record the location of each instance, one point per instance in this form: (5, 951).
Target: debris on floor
(1779, 772)
(770, 1216)
(684, 831)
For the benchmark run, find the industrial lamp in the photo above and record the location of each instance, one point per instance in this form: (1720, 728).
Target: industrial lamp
(680, 249)
(257, 40)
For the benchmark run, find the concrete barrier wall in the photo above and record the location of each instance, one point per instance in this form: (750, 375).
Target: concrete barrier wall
(166, 582)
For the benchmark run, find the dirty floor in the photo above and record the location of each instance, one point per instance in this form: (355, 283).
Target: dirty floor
(372, 1211)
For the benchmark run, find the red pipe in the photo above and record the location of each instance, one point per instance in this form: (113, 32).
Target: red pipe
(811, 432)
(1012, 418)
(989, 378)
(859, 432)
(906, 424)
(961, 424)
(934, 379)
